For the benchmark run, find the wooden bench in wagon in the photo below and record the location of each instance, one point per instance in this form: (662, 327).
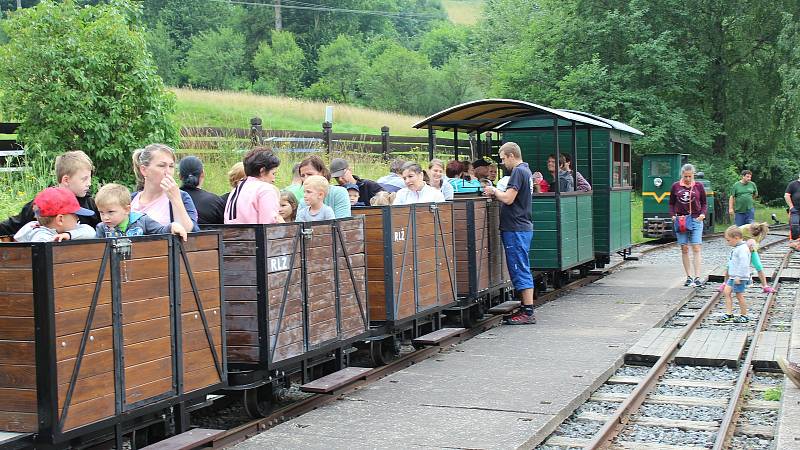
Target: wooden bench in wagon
(296, 301)
(101, 337)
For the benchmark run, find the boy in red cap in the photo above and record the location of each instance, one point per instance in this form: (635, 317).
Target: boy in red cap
(57, 212)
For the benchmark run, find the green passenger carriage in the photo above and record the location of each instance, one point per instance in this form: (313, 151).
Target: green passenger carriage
(572, 230)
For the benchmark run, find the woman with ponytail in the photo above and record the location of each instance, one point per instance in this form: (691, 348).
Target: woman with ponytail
(210, 207)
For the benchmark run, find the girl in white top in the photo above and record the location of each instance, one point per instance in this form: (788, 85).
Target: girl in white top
(438, 179)
(416, 191)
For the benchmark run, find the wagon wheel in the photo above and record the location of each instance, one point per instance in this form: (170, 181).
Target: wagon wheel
(259, 402)
(381, 352)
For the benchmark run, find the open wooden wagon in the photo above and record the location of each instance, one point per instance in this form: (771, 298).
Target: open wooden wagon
(99, 338)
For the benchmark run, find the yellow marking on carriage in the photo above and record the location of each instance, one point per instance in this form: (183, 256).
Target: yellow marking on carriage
(655, 196)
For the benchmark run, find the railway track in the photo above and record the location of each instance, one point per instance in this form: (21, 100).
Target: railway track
(252, 427)
(670, 406)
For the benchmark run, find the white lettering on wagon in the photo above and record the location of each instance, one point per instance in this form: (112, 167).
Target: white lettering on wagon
(279, 263)
(400, 235)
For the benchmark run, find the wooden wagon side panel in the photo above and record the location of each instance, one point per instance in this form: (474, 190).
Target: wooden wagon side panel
(482, 257)
(464, 230)
(82, 288)
(498, 269)
(322, 317)
(352, 281)
(147, 351)
(401, 240)
(285, 296)
(377, 269)
(202, 333)
(445, 254)
(241, 294)
(17, 342)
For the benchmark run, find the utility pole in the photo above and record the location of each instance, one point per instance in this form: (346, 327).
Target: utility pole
(278, 17)
(19, 4)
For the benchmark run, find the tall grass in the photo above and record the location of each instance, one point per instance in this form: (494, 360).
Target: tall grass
(235, 109)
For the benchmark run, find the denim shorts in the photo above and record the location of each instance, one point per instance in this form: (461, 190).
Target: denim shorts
(694, 236)
(517, 244)
(738, 288)
(744, 218)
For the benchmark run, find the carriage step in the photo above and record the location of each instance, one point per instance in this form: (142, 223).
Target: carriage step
(504, 308)
(334, 381)
(193, 438)
(438, 336)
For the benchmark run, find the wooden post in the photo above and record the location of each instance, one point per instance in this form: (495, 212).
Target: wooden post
(256, 132)
(327, 136)
(431, 142)
(385, 142)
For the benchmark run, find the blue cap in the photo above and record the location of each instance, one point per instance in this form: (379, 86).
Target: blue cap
(349, 186)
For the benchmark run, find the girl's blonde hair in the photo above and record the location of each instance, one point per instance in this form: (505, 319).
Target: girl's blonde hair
(382, 198)
(289, 198)
(236, 174)
(759, 229)
(733, 232)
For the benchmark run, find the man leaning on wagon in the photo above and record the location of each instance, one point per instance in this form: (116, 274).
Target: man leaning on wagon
(516, 228)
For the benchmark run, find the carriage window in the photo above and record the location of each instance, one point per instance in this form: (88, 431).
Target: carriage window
(660, 168)
(616, 166)
(626, 164)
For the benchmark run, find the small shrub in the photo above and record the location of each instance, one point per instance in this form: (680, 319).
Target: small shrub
(772, 394)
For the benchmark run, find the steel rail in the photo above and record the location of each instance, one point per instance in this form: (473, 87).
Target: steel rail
(728, 424)
(611, 429)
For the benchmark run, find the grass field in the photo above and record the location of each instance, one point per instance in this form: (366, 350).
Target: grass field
(463, 12)
(235, 109)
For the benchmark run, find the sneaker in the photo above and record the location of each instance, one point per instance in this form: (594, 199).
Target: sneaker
(698, 283)
(790, 369)
(725, 318)
(741, 319)
(520, 318)
(769, 290)
(689, 282)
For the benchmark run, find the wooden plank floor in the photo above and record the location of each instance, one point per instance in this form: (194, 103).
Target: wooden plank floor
(652, 345)
(771, 345)
(717, 274)
(707, 347)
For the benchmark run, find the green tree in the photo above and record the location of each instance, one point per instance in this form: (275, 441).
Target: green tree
(443, 42)
(165, 53)
(215, 59)
(340, 66)
(400, 80)
(280, 65)
(81, 78)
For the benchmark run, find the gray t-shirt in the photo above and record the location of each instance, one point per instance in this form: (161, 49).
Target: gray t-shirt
(304, 214)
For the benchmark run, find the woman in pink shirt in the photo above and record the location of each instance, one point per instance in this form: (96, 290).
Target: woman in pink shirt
(158, 194)
(255, 199)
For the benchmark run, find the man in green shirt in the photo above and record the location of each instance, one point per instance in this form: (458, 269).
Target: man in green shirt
(740, 203)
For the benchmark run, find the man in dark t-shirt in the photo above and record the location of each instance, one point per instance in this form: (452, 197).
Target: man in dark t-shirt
(516, 228)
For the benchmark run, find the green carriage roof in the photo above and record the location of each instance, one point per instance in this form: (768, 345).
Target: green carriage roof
(497, 113)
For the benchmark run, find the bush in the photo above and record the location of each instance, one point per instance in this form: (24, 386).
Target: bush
(81, 78)
(280, 64)
(215, 59)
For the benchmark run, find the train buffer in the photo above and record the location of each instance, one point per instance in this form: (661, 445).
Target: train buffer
(330, 383)
(504, 308)
(194, 438)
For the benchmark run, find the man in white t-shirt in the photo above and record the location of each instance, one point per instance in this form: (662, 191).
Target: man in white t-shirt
(416, 190)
